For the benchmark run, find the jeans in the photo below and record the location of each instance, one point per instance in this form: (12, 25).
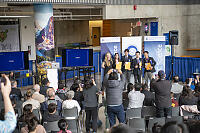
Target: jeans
(114, 111)
(91, 112)
(147, 76)
(163, 112)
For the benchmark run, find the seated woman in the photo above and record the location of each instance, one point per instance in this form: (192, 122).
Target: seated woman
(32, 125)
(187, 97)
(70, 103)
(27, 110)
(62, 124)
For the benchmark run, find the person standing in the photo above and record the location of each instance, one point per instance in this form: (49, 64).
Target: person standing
(116, 60)
(127, 72)
(149, 65)
(163, 101)
(114, 90)
(107, 63)
(137, 67)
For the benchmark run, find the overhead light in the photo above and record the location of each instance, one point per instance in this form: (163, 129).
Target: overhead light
(15, 16)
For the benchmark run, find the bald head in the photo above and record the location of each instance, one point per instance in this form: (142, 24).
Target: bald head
(36, 88)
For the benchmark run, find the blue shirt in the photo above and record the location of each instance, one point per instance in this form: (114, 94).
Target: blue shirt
(9, 124)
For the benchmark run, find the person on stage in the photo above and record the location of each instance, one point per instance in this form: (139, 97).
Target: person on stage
(116, 60)
(149, 65)
(107, 63)
(137, 67)
(126, 69)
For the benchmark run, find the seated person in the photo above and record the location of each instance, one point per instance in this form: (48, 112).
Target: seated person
(51, 115)
(27, 110)
(187, 97)
(136, 98)
(51, 99)
(30, 100)
(70, 103)
(149, 96)
(78, 96)
(62, 124)
(15, 92)
(36, 95)
(176, 87)
(32, 125)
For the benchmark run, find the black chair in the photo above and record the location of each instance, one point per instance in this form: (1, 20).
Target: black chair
(51, 127)
(178, 119)
(152, 121)
(133, 113)
(148, 111)
(176, 111)
(36, 112)
(137, 124)
(71, 115)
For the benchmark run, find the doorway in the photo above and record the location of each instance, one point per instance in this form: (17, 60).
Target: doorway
(96, 36)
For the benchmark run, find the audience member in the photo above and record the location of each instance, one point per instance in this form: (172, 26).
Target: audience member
(44, 88)
(70, 103)
(33, 125)
(163, 101)
(36, 95)
(91, 102)
(78, 96)
(51, 89)
(121, 128)
(197, 90)
(156, 128)
(27, 110)
(174, 101)
(9, 124)
(125, 96)
(15, 92)
(193, 126)
(136, 98)
(176, 87)
(149, 96)
(51, 99)
(114, 89)
(51, 115)
(30, 100)
(174, 127)
(187, 97)
(62, 124)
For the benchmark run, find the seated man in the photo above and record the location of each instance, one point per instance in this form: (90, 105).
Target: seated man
(136, 98)
(51, 99)
(176, 87)
(36, 95)
(149, 96)
(15, 92)
(70, 103)
(51, 115)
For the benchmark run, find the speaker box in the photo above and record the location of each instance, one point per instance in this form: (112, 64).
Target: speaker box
(173, 37)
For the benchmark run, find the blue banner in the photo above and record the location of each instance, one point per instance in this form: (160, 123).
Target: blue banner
(155, 45)
(111, 45)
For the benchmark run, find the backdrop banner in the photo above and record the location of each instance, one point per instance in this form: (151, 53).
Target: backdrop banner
(156, 47)
(9, 38)
(133, 44)
(111, 45)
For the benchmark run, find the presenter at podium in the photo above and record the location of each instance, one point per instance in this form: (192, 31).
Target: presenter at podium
(137, 67)
(149, 65)
(126, 66)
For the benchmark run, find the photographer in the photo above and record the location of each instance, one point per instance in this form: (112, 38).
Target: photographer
(114, 89)
(9, 124)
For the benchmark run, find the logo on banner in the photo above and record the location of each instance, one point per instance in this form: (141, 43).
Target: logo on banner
(132, 49)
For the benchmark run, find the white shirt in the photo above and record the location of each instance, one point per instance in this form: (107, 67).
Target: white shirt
(136, 99)
(176, 88)
(71, 104)
(35, 103)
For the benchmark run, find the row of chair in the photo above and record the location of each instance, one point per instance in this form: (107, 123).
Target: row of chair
(141, 125)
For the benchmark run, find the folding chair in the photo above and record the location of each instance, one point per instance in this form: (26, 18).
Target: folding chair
(51, 127)
(152, 121)
(148, 111)
(178, 119)
(137, 124)
(133, 113)
(176, 111)
(71, 115)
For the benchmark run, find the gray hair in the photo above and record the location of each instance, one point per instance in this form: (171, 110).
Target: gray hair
(70, 94)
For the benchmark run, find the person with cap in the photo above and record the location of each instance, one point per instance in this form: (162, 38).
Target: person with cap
(70, 103)
(148, 64)
(163, 101)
